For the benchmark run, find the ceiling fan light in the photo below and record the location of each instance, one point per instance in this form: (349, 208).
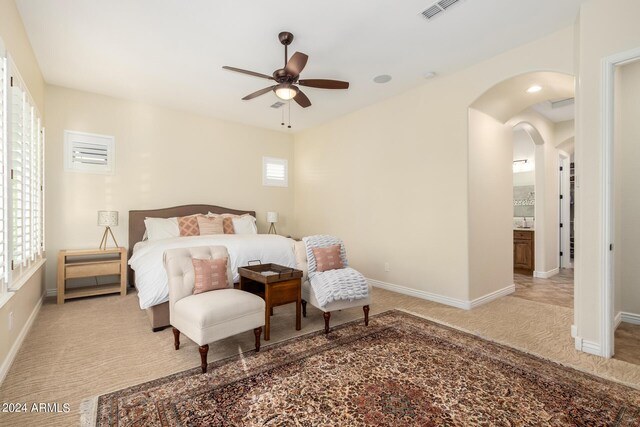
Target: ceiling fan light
(286, 91)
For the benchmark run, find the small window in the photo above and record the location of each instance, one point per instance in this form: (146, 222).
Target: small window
(85, 152)
(275, 172)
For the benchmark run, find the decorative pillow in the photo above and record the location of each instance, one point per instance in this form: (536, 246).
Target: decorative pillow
(227, 225)
(188, 225)
(210, 274)
(245, 224)
(161, 228)
(210, 225)
(327, 258)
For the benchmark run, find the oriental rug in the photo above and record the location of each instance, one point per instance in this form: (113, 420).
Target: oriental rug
(401, 370)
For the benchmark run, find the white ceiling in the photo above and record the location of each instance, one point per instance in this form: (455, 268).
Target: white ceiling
(558, 111)
(170, 52)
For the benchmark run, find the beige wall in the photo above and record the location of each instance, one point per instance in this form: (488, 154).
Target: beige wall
(163, 158)
(25, 300)
(22, 305)
(627, 196)
(490, 204)
(392, 178)
(17, 43)
(606, 27)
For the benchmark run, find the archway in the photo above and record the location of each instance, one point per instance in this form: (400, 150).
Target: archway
(492, 117)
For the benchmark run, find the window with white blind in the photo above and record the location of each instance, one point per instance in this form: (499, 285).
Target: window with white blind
(275, 172)
(22, 189)
(4, 278)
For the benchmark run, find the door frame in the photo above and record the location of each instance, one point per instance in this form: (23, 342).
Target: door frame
(607, 315)
(564, 207)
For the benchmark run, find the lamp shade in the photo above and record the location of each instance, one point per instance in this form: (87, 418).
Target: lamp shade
(108, 218)
(272, 217)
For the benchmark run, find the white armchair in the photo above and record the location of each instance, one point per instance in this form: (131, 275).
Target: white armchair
(209, 316)
(309, 296)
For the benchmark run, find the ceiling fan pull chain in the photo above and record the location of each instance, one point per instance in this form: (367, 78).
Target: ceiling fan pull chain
(289, 115)
(282, 123)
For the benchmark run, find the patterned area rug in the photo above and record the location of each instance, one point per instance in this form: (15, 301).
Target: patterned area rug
(401, 370)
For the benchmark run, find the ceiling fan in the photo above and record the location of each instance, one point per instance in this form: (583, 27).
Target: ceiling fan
(288, 77)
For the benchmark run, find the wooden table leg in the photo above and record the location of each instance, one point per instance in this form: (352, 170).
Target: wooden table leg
(298, 307)
(267, 313)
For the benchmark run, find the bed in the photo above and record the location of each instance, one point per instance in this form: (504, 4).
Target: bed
(146, 271)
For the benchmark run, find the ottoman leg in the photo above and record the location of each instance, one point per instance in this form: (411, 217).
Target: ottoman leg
(257, 332)
(366, 315)
(204, 349)
(176, 338)
(327, 316)
(304, 308)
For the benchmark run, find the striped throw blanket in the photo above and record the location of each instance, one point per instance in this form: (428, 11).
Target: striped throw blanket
(333, 285)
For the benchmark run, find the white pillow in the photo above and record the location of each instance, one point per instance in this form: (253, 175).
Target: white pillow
(162, 228)
(246, 224)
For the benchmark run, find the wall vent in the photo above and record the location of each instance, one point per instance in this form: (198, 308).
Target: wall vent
(277, 104)
(437, 8)
(89, 153)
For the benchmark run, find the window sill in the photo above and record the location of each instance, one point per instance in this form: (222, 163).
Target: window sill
(23, 278)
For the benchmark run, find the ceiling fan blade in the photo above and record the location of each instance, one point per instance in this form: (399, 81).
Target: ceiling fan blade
(296, 64)
(302, 99)
(324, 83)
(258, 93)
(251, 73)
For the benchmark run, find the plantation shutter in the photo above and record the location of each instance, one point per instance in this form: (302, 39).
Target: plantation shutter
(17, 170)
(3, 165)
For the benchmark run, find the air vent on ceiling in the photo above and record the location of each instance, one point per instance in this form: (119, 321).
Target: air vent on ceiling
(563, 103)
(277, 104)
(437, 8)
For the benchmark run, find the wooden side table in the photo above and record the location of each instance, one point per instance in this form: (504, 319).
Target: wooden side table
(277, 285)
(76, 264)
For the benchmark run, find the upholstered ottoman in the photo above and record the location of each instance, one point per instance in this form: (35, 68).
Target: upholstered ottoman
(208, 316)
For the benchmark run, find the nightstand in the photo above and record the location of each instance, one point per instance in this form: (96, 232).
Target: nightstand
(78, 264)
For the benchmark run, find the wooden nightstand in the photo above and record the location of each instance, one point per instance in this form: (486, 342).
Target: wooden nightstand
(76, 264)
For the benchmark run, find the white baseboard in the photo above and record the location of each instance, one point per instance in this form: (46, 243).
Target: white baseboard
(588, 347)
(546, 274)
(617, 320)
(52, 292)
(492, 296)
(632, 318)
(454, 302)
(8, 361)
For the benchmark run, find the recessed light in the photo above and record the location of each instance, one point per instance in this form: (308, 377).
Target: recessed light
(429, 75)
(382, 78)
(534, 89)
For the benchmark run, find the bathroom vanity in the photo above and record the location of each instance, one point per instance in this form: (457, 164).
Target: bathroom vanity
(523, 251)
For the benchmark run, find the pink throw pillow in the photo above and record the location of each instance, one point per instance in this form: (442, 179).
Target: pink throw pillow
(327, 258)
(188, 225)
(210, 225)
(210, 274)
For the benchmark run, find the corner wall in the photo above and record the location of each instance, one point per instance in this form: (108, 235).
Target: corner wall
(27, 299)
(606, 27)
(164, 158)
(392, 180)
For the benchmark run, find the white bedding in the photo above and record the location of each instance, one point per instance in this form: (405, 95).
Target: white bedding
(151, 278)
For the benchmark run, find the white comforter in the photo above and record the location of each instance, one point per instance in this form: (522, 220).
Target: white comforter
(151, 277)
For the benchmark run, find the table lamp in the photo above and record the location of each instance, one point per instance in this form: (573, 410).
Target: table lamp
(272, 218)
(107, 219)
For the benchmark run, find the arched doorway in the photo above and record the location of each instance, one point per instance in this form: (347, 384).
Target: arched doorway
(492, 118)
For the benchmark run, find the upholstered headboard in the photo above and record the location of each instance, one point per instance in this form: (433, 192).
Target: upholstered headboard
(137, 228)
